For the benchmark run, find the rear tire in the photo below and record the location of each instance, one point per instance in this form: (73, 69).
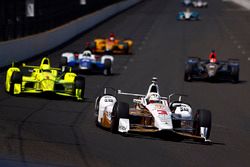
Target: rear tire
(80, 84)
(92, 45)
(126, 48)
(235, 74)
(107, 67)
(63, 61)
(202, 118)
(120, 110)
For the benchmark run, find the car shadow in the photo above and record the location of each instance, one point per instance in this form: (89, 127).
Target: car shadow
(218, 81)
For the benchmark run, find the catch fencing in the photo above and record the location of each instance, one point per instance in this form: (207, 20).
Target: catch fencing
(20, 18)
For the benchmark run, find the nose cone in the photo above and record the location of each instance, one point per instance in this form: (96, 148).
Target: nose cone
(47, 85)
(47, 82)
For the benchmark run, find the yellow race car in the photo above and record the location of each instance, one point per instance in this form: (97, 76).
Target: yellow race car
(110, 45)
(44, 78)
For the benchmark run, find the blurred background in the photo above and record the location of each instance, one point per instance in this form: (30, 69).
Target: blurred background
(19, 18)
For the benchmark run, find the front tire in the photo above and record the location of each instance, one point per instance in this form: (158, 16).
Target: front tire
(202, 118)
(120, 110)
(188, 72)
(16, 78)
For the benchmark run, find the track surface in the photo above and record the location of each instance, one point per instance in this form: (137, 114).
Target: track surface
(37, 131)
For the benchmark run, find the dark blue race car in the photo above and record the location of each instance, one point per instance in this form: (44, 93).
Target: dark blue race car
(198, 69)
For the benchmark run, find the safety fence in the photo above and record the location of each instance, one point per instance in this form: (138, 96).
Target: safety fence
(20, 18)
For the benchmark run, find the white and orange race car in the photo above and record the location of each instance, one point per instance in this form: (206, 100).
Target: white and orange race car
(110, 45)
(152, 113)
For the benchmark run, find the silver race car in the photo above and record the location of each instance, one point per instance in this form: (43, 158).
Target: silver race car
(152, 113)
(200, 4)
(188, 15)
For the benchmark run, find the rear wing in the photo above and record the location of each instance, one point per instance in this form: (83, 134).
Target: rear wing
(38, 67)
(120, 92)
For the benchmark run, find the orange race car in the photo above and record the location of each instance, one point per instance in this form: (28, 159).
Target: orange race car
(111, 45)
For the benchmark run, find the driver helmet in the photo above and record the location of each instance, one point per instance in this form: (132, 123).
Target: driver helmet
(154, 98)
(212, 56)
(45, 67)
(187, 10)
(112, 37)
(87, 53)
(213, 60)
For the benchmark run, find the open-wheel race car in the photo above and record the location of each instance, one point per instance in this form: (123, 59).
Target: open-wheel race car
(200, 4)
(188, 15)
(186, 2)
(111, 45)
(152, 113)
(88, 62)
(44, 79)
(212, 70)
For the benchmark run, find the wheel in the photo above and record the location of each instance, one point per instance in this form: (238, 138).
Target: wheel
(63, 61)
(16, 78)
(107, 67)
(80, 85)
(120, 110)
(92, 45)
(235, 74)
(126, 48)
(188, 72)
(202, 118)
(97, 100)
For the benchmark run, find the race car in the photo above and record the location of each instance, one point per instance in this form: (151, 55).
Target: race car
(44, 79)
(200, 4)
(152, 113)
(111, 45)
(211, 69)
(188, 15)
(87, 61)
(186, 2)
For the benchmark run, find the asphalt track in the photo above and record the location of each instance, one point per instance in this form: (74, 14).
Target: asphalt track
(42, 131)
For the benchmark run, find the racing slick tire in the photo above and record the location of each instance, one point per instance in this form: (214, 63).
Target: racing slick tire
(126, 48)
(235, 74)
(120, 110)
(92, 46)
(107, 67)
(202, 118)
(16, 78)
(80, 84)
(188, 72)
(63, 61)
(97, 101)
